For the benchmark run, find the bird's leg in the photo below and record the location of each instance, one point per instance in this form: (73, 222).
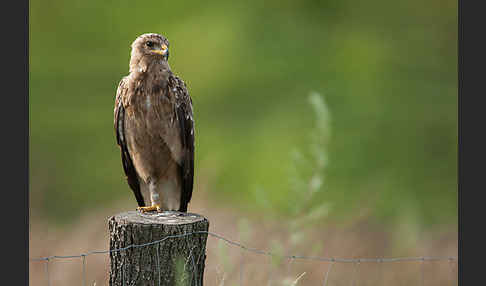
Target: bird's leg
(154, 198)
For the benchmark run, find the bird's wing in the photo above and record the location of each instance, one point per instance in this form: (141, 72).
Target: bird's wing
(119, 124)
(184, 114)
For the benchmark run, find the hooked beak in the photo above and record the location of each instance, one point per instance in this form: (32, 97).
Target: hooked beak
(163, 50)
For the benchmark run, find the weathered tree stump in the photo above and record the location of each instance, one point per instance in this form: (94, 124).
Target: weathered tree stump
(176, 260)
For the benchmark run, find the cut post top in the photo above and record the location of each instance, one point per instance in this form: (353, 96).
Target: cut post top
(165, 218)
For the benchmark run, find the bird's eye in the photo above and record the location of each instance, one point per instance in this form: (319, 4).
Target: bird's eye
(149, 44)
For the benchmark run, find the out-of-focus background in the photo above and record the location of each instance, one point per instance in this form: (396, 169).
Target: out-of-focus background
(334, 121)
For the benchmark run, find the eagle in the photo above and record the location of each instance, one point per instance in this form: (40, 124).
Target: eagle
(154, 128)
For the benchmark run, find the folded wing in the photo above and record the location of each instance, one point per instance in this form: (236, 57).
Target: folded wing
(184, 113)
(119, 125)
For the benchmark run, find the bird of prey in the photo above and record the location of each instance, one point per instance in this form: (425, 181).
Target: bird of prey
(155, 128)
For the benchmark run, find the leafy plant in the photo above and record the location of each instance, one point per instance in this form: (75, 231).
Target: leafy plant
(306, 185)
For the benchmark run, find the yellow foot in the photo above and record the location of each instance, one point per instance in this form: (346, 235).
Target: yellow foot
(149, 209)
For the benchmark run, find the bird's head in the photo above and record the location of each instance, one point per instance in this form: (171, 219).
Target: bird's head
(150, 47)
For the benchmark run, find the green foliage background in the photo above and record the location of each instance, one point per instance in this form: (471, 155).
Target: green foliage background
(387, 70)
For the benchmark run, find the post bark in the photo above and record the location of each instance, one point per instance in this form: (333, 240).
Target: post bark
(136, 258)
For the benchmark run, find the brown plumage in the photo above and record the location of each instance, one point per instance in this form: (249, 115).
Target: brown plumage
(155, 128)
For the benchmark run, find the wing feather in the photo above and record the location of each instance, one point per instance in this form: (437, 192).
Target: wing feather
(186, 124)
(119, 124)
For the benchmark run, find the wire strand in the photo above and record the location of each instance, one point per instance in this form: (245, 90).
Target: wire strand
(254, 250)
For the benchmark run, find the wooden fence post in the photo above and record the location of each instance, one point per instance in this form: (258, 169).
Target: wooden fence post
(179, 259)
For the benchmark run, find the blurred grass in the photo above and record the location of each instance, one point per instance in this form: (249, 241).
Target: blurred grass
(387, 70)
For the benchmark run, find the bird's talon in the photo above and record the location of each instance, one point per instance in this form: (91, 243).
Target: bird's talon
(148, 209)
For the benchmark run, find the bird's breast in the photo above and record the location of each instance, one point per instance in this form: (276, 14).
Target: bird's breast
(153, 133)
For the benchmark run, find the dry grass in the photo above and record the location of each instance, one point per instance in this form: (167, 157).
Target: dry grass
(229, 265)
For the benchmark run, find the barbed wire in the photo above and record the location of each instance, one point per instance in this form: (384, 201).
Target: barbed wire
(332, 260)
(254, 250)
